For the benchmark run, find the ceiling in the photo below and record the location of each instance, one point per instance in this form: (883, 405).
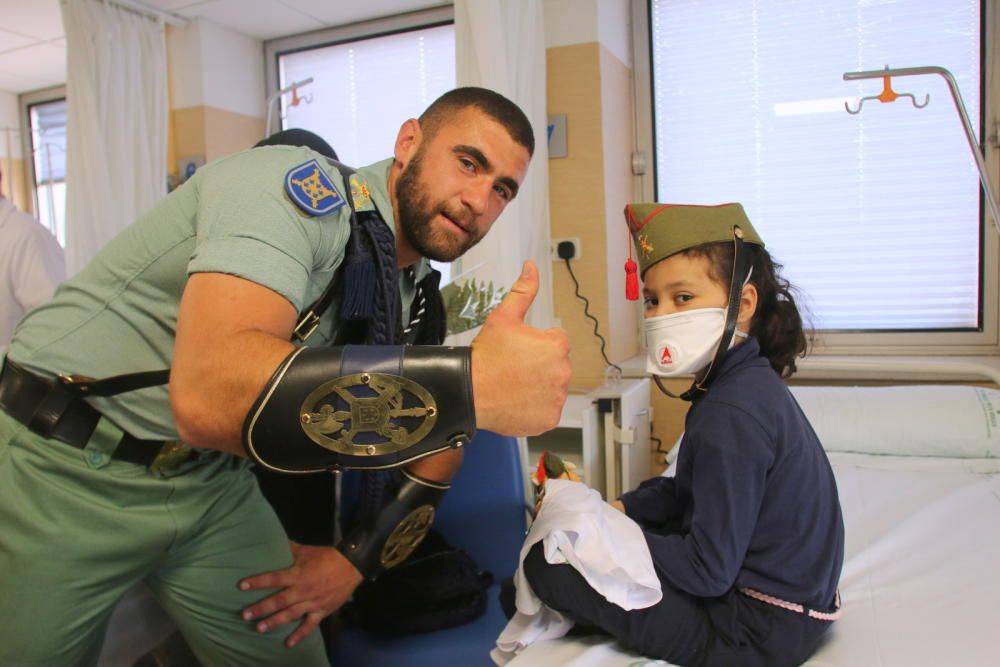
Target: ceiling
(33, 47)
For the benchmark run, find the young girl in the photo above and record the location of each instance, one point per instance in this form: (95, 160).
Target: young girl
(747, 539)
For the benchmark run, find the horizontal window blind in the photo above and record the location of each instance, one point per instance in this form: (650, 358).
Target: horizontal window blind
(48, 139)
(876, 216)
(48, 146)
(363, 90)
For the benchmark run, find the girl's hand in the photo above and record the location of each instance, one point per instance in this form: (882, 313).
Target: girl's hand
(318, 584)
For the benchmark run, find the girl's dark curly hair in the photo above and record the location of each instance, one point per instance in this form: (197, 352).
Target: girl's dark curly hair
(777, 325)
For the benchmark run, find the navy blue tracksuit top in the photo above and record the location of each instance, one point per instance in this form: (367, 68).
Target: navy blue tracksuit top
(754, 494)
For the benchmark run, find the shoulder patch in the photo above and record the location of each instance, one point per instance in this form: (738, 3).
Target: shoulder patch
(312, 190)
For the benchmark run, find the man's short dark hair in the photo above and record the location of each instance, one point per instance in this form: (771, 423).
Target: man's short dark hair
(299, 137)
(493, 104)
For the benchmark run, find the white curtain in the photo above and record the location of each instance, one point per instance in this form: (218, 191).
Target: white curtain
(116, 94)
(500, 45)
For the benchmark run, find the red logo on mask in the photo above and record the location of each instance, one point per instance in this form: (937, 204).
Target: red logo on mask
(665, 357)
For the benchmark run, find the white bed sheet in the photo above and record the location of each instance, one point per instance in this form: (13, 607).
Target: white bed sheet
(921, 578)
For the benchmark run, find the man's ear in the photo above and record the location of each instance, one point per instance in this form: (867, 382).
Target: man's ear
(408, 141)
(748, 307)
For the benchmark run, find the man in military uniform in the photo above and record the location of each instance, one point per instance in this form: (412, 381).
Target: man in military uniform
(230, 282)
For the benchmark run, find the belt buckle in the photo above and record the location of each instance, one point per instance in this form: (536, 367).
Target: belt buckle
(306, 327)
(170, 457)
(77, 383)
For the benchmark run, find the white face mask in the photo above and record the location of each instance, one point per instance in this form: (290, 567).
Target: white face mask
(684, 343)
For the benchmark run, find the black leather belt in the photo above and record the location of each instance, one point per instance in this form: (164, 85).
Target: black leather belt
(54, 409)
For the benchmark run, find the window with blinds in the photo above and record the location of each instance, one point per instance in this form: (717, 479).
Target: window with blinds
(48, 150)
(364, 89)
(876, 216)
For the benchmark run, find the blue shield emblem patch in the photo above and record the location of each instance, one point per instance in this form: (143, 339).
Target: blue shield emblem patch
(312, 190)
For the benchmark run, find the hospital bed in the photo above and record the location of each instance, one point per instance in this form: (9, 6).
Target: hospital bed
(918, 472)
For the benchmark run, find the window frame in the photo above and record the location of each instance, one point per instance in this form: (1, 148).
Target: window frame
(25, 101)
(983, 341)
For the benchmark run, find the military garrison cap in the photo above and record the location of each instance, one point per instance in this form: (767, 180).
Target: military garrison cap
(662, 230)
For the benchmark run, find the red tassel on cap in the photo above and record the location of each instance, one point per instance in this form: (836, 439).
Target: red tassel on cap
(631, 280)
(631, 275)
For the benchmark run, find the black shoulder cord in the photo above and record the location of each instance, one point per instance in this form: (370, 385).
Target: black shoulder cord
(741, 270)
(310, 318)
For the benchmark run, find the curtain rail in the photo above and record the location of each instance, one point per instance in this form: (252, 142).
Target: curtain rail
(149, 12)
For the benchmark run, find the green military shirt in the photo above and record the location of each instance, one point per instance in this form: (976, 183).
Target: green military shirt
(234, 216)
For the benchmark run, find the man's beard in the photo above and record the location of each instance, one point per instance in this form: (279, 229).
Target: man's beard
(416, 214)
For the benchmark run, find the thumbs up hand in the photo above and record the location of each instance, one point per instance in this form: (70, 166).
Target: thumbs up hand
(520, 374)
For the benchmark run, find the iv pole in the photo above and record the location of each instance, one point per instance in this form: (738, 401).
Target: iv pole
(277, 96)
(956, 96)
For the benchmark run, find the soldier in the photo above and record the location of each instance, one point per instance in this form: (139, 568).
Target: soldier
(246, 282)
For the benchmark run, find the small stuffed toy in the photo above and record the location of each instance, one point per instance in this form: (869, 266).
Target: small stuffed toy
(550, 466)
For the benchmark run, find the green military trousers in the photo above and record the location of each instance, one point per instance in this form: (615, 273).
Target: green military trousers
(78, 529)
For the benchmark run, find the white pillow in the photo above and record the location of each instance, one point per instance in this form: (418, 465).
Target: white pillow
(918, 420)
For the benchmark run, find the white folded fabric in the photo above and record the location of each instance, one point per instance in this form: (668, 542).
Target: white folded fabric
(577, 527)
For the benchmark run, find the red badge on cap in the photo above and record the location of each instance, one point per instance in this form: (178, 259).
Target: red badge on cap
(665, 357)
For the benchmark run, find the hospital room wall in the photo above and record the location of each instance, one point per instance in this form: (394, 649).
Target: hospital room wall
(588, 64)
(216, 89)
(589, 79)
(12, 163)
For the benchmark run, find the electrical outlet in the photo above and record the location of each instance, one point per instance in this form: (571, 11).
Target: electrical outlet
(574, 241)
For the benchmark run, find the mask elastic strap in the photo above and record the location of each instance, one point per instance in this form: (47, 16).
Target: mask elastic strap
(659, 383)
(741, 272)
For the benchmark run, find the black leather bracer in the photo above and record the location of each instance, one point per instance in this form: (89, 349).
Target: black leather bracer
(398, 529)
(361, 406)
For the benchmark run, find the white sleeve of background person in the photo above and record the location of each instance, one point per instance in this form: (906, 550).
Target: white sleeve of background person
(31, 266)
(39, 267)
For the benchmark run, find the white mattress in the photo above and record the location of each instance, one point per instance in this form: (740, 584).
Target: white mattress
(921, 578)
